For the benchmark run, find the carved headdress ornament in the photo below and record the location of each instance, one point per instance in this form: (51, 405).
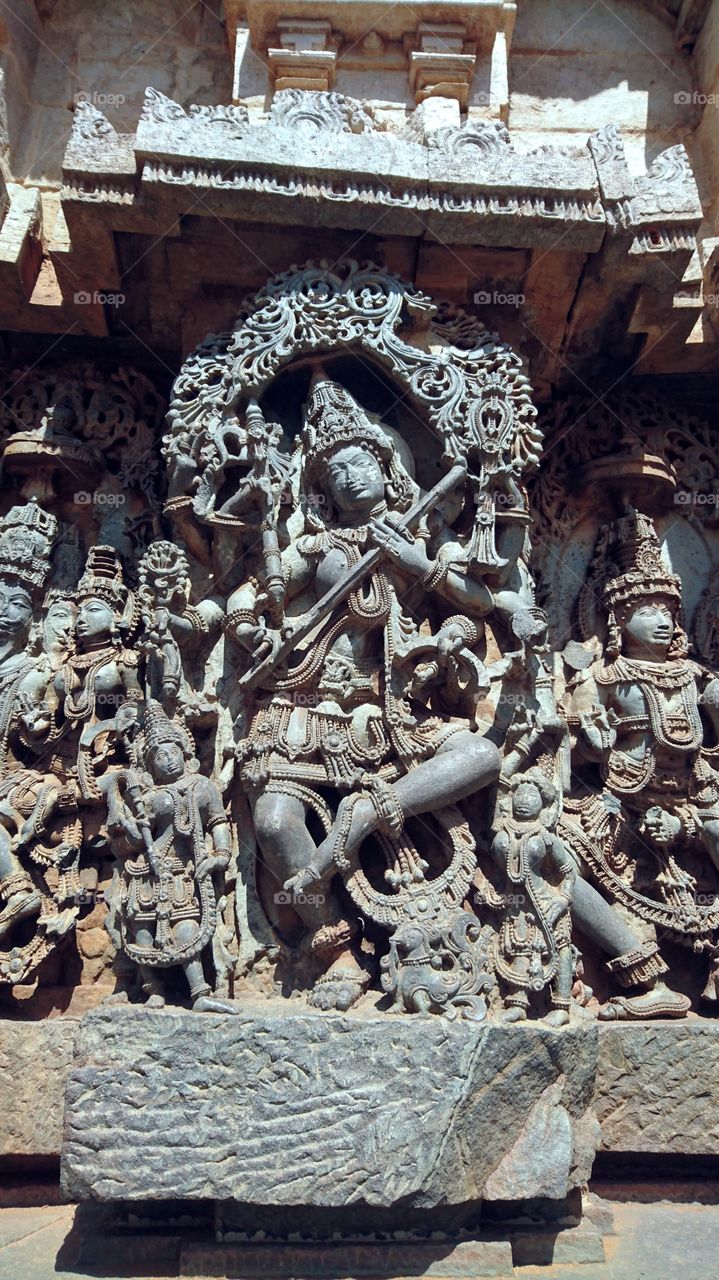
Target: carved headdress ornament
(644, 576)
(332, 419)
(637, 554)
(160, 730)
(26, 537)
(102, 579)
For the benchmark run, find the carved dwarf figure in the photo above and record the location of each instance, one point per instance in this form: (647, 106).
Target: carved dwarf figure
(337, 735)
(650, 792)
(534, 948)
(169, 831)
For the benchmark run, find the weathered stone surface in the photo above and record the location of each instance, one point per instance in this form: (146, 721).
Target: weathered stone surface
(35, 1058)
(658, 1088)
(276, 1108)
(542, 1152)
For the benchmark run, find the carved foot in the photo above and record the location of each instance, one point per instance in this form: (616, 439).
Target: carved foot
(556, 1018)
(513, 1014)
(18, 907)
(660, 1002)
(215, 1004)
(341, 986)
(155, 1001)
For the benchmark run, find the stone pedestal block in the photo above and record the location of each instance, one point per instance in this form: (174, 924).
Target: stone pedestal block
(277, 1108)
(35, 1058)
(658, 1087)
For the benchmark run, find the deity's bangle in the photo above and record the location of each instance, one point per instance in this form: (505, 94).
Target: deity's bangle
(435, 575)
(238, 618)
(196, 620)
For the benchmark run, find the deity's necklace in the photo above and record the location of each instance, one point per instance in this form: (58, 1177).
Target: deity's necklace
(680, 730)
(520, 831)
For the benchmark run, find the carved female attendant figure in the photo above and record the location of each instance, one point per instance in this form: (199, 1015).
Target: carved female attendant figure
(535, 945)
(638, 724)
(25, 542)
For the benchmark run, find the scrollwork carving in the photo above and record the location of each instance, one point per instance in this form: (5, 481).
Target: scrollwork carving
(314, 110)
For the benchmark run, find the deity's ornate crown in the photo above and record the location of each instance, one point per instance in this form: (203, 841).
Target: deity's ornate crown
(159, 730)
(102, 579)
(637, 554)
(333, 418)
(26, 537)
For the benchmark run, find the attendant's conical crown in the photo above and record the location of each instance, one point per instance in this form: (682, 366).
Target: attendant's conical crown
(26, 537)
(159, 730)
(643, 574)
(103, 578)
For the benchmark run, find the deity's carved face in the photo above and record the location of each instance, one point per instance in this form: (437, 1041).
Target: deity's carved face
(355, 480)
(59, 623)
(95, 620)
(527, 800)
(648, 628)
(167, 762)
(15, 610)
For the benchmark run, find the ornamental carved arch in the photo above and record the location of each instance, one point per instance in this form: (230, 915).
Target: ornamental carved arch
(455, 378)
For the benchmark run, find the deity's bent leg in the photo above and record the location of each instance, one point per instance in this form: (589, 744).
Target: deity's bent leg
(462, 765)
(465, 763)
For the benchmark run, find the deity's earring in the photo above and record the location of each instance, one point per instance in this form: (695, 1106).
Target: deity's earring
(679, 646)
(614, 637)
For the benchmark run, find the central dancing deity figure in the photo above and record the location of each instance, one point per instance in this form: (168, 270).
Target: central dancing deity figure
(341, 734)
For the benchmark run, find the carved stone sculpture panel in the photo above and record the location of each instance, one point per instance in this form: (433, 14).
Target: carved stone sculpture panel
(283, 710)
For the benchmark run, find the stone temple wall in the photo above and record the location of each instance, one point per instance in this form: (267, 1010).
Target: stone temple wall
(359, 600)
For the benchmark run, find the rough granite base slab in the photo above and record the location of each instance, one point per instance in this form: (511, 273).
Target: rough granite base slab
(273, 1107)
(35, 1059)
(658, 1087)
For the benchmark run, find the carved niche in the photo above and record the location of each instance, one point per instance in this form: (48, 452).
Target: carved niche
(350, 464)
